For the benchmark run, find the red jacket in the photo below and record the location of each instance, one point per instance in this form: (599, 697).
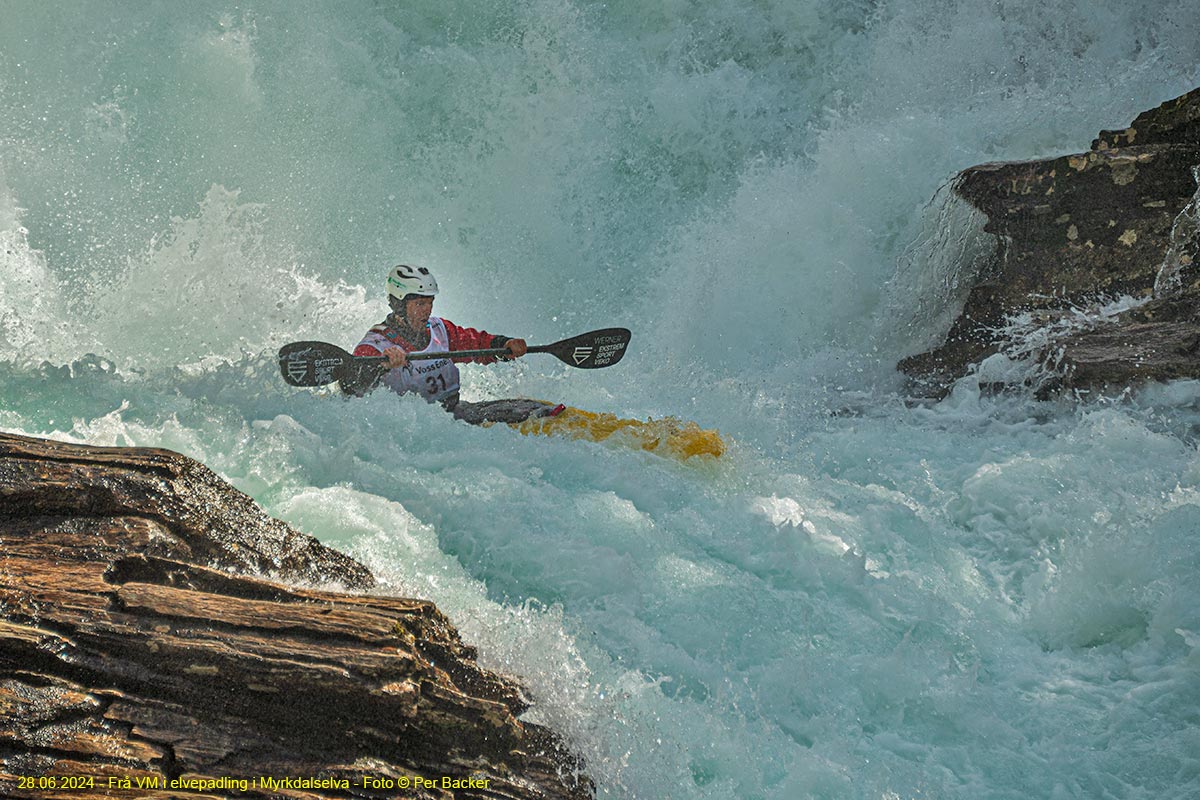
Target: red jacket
(460, 339)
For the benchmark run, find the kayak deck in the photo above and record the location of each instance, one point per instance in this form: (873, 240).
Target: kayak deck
(667, 436)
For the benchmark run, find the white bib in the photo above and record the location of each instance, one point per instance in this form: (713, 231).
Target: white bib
(434, 379)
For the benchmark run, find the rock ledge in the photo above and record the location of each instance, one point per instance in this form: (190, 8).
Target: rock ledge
(1074, 233)
(136, 645)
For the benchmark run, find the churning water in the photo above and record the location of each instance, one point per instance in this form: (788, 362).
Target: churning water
(982, 598)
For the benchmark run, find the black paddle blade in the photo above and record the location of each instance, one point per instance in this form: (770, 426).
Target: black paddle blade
(591, 350)
(312, 363)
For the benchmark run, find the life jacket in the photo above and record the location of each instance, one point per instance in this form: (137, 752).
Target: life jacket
(434, 379)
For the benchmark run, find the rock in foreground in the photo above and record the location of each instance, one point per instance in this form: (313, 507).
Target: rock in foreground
(134, 647)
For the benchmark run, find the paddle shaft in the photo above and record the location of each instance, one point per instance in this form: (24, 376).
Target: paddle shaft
(321, 363)
(495, 351)
(463, 354)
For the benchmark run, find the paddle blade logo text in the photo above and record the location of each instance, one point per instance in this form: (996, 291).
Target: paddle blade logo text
(581, 354)
(609, 350)
(324, 370)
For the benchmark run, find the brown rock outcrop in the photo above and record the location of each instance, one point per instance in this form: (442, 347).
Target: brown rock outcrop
(1077, 230)
(136, 647)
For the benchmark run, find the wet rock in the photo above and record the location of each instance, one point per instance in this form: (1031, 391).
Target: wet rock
(1157, 341)
(1074, 233)
(139, 643)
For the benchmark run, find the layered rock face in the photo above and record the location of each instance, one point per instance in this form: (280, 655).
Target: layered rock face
(1077, 232)
(139, 657)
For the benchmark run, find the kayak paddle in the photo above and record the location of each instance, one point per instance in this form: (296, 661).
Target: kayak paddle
(321, 363)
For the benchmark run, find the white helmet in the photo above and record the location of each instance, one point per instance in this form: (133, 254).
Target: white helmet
(404, 280)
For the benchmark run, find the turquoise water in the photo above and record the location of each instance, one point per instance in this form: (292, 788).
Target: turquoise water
(990, 597)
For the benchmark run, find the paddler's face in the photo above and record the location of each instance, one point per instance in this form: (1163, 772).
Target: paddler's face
(417, 311)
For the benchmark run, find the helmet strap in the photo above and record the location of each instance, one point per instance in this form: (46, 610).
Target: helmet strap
(400, 313)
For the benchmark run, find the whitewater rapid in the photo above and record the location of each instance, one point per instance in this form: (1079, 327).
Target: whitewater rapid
(987, 597)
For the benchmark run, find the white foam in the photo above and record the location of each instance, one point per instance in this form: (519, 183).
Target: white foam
(983, 597)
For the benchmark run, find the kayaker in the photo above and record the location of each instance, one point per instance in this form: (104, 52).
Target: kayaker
(411, 328)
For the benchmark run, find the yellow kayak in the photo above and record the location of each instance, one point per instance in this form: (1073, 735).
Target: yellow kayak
(666, 437)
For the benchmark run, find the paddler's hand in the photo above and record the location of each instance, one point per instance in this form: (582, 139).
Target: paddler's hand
(516, 346)
(396, 357)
